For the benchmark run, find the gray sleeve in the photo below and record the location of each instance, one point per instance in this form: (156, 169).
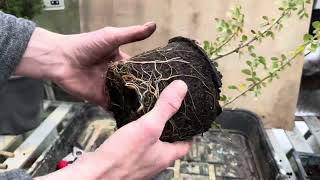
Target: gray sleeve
(15, 175)
(15, 34)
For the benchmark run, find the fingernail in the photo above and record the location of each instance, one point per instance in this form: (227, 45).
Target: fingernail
(181, 83)
(182, 87)
(150, 24)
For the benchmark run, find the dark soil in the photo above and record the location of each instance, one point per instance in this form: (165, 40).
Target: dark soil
(135, 85)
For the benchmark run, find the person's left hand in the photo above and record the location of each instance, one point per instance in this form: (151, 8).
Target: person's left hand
(78, 62)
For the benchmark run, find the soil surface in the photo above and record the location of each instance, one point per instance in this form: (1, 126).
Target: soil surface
(135, 85)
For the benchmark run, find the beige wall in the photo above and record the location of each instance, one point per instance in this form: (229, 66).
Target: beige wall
(195, 19)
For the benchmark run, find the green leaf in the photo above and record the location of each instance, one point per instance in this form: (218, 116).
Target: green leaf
(251, 79)
(246, 71)
(262, 60)
(249, 63)
(244, 38)
(314, 47)
(275, 65)
(223, 98)
(206, 45)
(253, 54)
(254, 73)
(250, 48)
(307, 37)
(274, 59)
(271, 34)
(265, 18)
(233, 87)
(316, 25)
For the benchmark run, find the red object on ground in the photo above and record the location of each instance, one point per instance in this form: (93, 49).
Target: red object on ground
(62, 164)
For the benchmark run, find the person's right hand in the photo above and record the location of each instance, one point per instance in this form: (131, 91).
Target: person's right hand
(134, 151)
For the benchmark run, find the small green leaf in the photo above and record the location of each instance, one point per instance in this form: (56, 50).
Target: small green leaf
(253, 54)
(275, 65)
(246, 71)
(250, 48)
(274, 59)
(244, 38)
(314, 47)
(254, 73)
(223, 98)
(249, 63)
(206, 45)
(233, 87)
(264, 84)
(250, 79)
(316, 25)
(265, 18)
(307, 37)
(262, 60)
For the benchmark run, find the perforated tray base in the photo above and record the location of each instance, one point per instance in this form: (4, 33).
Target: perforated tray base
(216, 154)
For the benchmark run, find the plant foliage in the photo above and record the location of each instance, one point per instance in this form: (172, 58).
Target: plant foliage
(22, 8)
(231, 30)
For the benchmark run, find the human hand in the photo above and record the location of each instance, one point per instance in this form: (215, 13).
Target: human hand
(134, 151)
(78, 62)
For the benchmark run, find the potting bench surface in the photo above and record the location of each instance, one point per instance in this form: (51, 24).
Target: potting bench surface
(305, 137)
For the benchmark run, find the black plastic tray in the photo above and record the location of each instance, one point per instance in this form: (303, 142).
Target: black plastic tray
(249, 124)
(307, 165)
(240, 151)
(247, 156)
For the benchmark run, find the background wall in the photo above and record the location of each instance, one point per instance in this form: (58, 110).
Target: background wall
(195, 19)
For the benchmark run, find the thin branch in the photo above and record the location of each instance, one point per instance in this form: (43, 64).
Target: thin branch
(226, 41)
(253, 39)
(252, 86)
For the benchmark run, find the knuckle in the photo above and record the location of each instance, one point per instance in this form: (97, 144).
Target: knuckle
(148, 127)
(110, 34)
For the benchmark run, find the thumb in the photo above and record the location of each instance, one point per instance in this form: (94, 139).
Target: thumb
(167, 105)
(131, 34)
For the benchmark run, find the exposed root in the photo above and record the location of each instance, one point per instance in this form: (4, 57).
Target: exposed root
(146, 82)
(135, 86)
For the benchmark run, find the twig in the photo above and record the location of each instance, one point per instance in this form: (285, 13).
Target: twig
(226, 42)
(253, 39)
(262, 80)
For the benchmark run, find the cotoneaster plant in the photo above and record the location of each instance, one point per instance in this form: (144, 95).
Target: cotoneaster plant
(135, 85)
(231, 30)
